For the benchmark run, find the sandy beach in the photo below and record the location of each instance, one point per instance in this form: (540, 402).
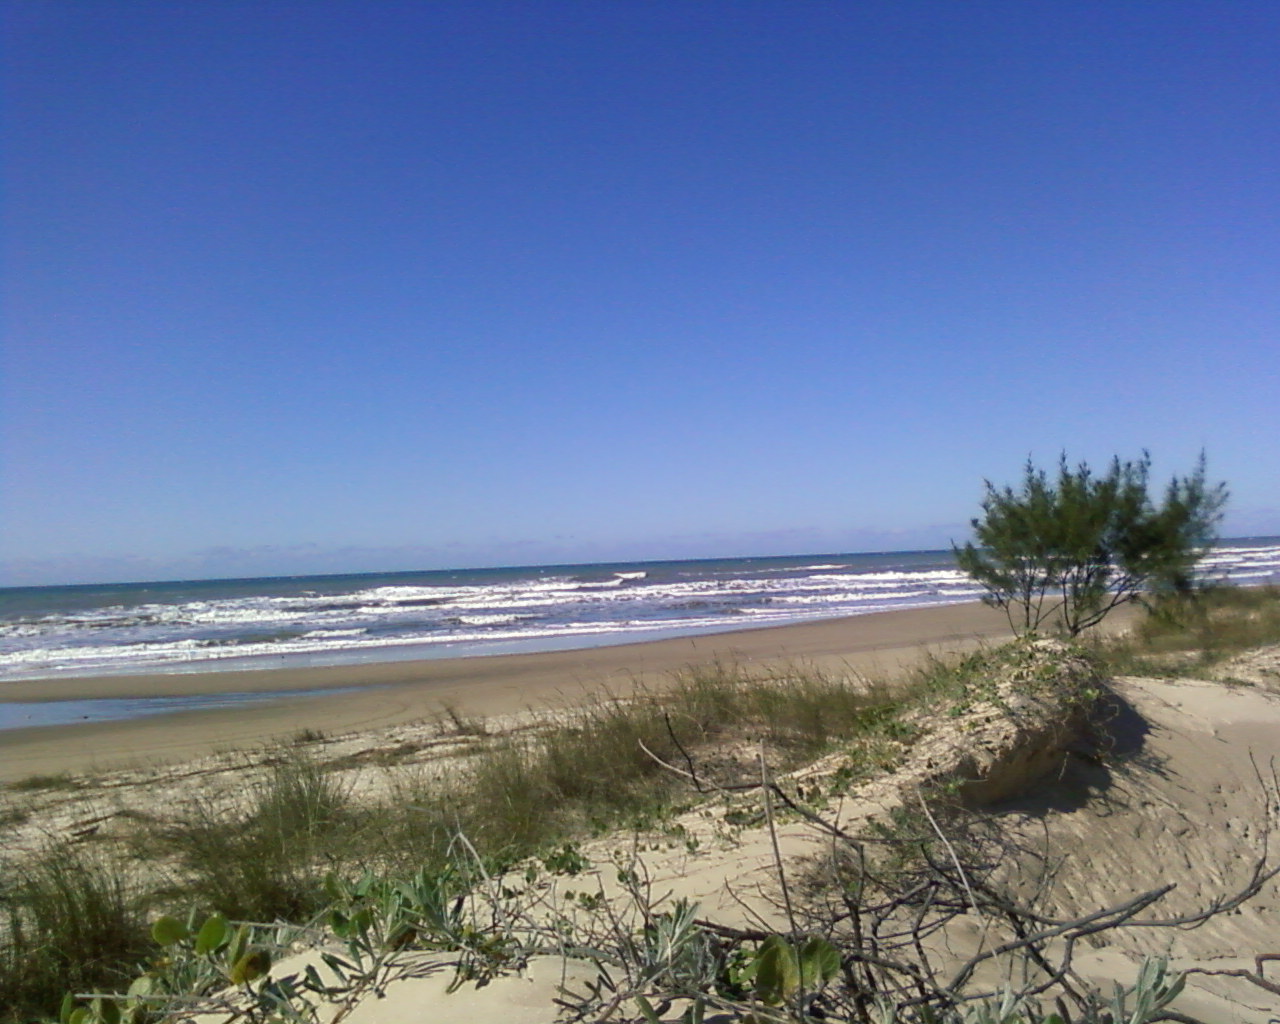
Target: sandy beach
(398, 692)
(1182, 792)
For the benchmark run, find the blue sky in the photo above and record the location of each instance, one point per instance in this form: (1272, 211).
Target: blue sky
(294, 287)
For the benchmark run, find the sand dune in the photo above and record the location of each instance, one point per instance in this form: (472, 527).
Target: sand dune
(1188, 796)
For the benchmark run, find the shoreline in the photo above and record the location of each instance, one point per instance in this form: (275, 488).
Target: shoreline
(393, 693)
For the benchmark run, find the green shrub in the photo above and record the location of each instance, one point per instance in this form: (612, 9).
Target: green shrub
(1190, 633)
(1068, 551)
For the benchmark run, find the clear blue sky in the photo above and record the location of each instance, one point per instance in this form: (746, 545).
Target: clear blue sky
(323, 286)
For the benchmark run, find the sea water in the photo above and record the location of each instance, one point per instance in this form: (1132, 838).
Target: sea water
(48, 632)
(26, 714)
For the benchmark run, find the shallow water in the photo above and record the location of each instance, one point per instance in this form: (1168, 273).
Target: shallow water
(29, 714)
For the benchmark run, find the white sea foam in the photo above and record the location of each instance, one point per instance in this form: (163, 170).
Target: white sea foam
(472, 613)
(488, 620)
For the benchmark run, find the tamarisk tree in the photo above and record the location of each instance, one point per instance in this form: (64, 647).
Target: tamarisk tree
(1068, 551)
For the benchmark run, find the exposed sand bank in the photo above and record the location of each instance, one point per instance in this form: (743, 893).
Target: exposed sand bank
(398, 692)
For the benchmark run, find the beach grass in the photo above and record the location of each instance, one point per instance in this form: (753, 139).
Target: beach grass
(73, 918)
(266, 856)
(577, 772)
(41, 782)
(605, 764)
(13, 814)
(264, 859)
(1190, 635)
(307, 735)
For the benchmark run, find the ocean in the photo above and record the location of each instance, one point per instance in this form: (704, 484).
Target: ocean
(51, 632)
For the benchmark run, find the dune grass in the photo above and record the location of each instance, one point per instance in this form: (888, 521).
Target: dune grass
(262, 860)
(1188, 635)
(71, 920)
(40, 783)
(600, 766)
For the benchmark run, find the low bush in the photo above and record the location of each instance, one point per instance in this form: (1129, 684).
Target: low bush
(600, 765)
(73, 923)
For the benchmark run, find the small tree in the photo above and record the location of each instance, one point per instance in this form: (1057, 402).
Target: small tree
(1071, 550)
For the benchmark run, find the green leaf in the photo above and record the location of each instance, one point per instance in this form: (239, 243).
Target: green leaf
(80, 1015)
(168, 931)
(143, 985)
(238, 944)
(212, 934)
(777, 971)
(68, 1005)
(362, 920)
(106, 1010)
(344, 969)
(647, 1011)
(819, 963)
(250, 967)
(314, 981)
(1174, 990)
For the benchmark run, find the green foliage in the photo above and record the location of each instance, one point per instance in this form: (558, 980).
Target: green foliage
(595, 766)
(1154, 989)
(263, 863)
(1191, 635)
(12, 814)
(209, 967)
(267, 858)
(567, 860)
(1070, 550)
(1211, 625)
(68, 920)
(783, 971)
(37, 783)
(292, 846)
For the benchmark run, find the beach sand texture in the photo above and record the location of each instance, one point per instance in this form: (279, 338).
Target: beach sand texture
(1188, 809)
(396, 693)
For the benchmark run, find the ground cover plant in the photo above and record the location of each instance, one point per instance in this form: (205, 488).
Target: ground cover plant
(70, 920)
(267, 856)
(34, 783)
(421, 869)
(263, 860)
(1191, 634)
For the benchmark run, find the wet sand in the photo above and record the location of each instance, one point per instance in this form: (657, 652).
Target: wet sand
(398, 692)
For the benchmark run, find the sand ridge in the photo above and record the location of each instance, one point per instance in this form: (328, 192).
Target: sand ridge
(1188, 798)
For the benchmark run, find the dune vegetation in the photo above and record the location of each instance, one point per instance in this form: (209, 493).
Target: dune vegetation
(191, 908)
